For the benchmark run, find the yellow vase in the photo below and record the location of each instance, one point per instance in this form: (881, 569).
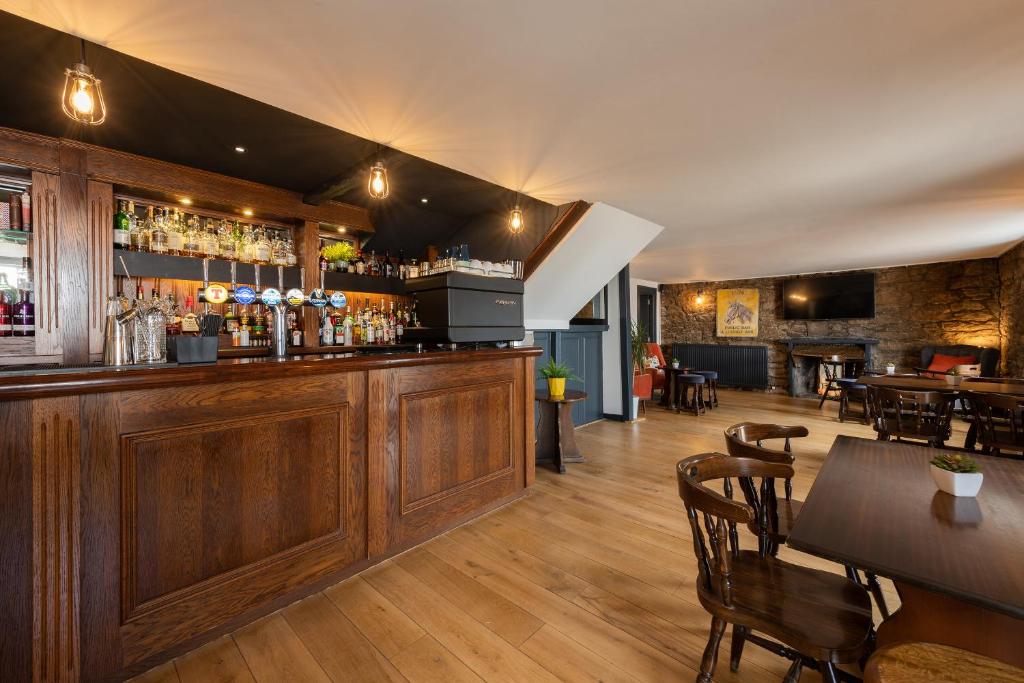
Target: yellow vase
(556, 386)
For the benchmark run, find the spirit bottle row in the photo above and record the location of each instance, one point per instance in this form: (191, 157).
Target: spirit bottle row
(170, 231)
(367, 325)
(376, 266)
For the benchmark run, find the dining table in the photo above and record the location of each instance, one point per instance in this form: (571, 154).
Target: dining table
(957, 563)
(920, 383)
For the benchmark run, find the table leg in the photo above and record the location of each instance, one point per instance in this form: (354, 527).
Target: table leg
(665, 387)
(567, 448)
(927, 616)
(547, 435)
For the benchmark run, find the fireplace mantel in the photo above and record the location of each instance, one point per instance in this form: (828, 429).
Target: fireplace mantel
(793, 342)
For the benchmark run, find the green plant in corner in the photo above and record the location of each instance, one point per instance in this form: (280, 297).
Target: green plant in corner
(958, 464)
(638, 346)
(553, 370)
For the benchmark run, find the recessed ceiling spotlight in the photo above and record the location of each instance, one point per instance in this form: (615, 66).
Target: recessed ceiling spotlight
(186, 201)
(341, 229)
(424, 200)
(247, 212)
(240, 149)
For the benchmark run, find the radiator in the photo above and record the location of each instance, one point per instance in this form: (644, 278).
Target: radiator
(737, 366)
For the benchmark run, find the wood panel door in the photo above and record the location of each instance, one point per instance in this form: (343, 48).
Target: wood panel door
(443, 446)
(219, 517)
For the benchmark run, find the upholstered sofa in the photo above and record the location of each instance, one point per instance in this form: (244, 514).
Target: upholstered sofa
(986, 357)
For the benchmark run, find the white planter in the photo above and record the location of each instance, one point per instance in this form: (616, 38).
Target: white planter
(890, 369)
(960, 484)
(675, 366)
(953, 379)
(636, 408)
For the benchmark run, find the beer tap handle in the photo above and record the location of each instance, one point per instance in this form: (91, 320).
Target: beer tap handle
(302, 278)
(280, 278)
(257, 277)
(206, 283)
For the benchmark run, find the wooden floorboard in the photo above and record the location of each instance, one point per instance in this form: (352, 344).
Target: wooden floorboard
(590, 577)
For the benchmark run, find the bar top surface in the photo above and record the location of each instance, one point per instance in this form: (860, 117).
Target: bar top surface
(62, 381)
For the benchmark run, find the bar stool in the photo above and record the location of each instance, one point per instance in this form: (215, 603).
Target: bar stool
(711, 382)
(684, 383)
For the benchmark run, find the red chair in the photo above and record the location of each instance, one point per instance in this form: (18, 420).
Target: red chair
(657, 374)
(643, 389)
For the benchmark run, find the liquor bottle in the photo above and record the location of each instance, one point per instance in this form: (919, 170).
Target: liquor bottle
(210, 243)
(279, 252)
(346, 328)
(292, 258)
(231, 321)
(26, 211)
(6, 315)
(374, 264)
(122, 227)
(386, 268)
(189, 319)
(243, 328)
(226, 238)
(262, 247)
(403, 270)
(158, 234)
(173, 324)
(326, 330)
(323, 262)
(23, 316)
(175, 238)
(15, 210)
(360, 264)
(140, 236)
(191, 245)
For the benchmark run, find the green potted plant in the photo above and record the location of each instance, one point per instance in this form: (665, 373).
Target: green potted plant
(890, 368)
(957, 475)
(675, 363)
(953, 376)
(638, 347)
(556, 374)
(338, 255)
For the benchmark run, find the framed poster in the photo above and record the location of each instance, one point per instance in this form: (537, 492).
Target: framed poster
(737, 312)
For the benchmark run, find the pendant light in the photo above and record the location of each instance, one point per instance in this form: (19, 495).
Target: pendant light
(83, 97)
(516, 223)
(378, 184)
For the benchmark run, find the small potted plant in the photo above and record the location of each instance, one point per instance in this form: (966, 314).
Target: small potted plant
(890, 368)
(556, 374)
(675, 363)
(338, 255)
(953, 376)
(957, 475)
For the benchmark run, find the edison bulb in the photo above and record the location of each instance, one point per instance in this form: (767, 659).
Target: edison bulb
(82, 99)
(515, 221)
(378, 185)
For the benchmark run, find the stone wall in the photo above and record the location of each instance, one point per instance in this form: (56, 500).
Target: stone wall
(1011, 276)
(941, 303)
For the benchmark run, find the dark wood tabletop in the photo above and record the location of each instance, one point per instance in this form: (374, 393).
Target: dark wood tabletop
(571, 396)
(874, 505)
(930, 384)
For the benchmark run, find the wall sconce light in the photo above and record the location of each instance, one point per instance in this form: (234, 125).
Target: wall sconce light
(82, 100)
(700, 298)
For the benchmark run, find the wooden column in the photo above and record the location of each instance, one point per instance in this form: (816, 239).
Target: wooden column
(45, 256)
(101, 259)
(55, 540)
(307, 245)
(73, 256)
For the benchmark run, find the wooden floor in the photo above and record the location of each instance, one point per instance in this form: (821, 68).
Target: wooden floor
(590, 577)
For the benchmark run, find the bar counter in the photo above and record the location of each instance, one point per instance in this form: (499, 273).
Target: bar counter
(146, 510)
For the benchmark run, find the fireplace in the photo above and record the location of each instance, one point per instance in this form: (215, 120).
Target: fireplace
(804, 354)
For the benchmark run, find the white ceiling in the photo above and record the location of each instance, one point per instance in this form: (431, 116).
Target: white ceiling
(767, 136)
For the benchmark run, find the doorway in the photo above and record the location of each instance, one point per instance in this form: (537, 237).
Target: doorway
(646, 314)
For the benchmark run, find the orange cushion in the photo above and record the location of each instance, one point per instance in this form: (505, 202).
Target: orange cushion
(943, 363)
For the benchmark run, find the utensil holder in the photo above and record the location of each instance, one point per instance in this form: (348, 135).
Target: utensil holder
(181, 349)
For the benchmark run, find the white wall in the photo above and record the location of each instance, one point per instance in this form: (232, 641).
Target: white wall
(600, 245)
(611, 354)
(633, 307)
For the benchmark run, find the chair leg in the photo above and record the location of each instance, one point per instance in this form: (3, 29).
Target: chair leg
(827, 671)
(795, 669)
(867, 411)
(876, 592)
(707, 662)
(714, 387)
(844, 399)
(739, 638)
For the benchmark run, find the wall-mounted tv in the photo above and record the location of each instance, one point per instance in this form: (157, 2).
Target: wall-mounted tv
(829, 297)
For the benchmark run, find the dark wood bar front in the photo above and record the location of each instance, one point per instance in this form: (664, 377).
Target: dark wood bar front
(145, 511)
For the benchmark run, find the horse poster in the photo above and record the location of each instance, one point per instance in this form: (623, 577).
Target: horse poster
(737, 312)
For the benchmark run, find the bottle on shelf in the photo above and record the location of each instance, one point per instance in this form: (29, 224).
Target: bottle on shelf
(189, 319)
(15, 211)
(386, 268)
(210, 242)
(292, 258)
(403, 270)
(326, 330)
(360, 263)
(262, 247)
(26, 211)
(175, 238)
(6, 313)
(158, 234)
(374, 268)
(122, 226)
(227, 242)
(173, 323)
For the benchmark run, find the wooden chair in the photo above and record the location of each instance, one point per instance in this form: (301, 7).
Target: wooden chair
(1000, 421)
(914, 415)
(746, 440)
(851, 388)
(915, 662)
(817, 619)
